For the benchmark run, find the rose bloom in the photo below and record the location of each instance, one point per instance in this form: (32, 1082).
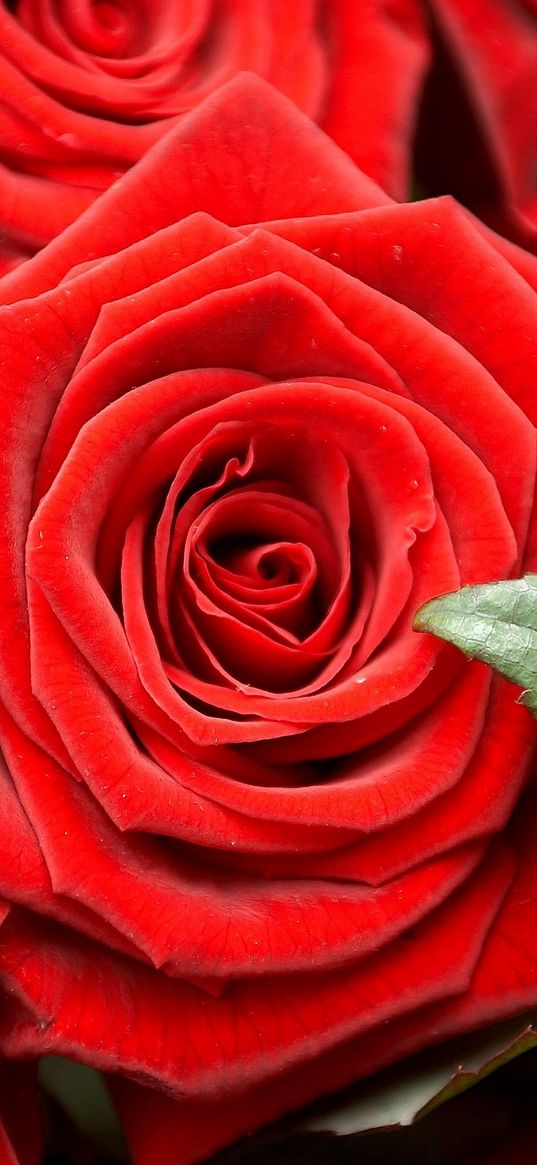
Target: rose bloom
(441, 90)
(259, 837)
(87, 88)
(476, 129)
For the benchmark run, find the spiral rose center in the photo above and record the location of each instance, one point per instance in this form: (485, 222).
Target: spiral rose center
(250, 579)
(280, 565)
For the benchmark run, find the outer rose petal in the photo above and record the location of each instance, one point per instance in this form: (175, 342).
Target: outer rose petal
(191, 170)
(88, 91)
(494, 50)
(498, 971)
(373, 121)
(87, 95)
(202, 1047)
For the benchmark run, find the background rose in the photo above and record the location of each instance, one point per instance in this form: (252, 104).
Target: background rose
(476, 137)
(231, 857)
(87, 88)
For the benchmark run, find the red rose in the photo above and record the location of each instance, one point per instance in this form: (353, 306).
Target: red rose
(478, 132)
(259, 836)
(87, 88)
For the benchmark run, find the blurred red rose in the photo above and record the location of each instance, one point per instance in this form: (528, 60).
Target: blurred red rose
(258, 836)
(477, 134)
(88, 87)
(440, 91)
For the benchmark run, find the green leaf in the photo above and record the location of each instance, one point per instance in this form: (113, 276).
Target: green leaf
(493, 622)
(397, 1097)
(417, 191)
(376, 1122)
(83, 1094)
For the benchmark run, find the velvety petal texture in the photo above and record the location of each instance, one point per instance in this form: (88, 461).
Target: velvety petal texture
(259, 837)
(88, 87)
